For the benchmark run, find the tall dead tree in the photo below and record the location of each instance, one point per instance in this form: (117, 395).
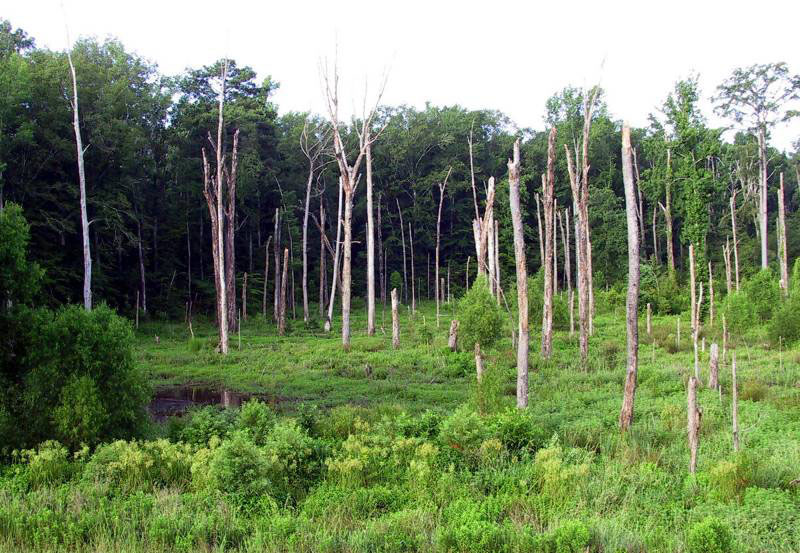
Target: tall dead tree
(411, 244)
(395, 321)
(548, 186)
(726, 255)
(632, 304)
(221, 218)
(266, 278)
(541, 237)
(370, 248)
(276, 252)
(284, 285)
(403, 239)
(782, 255)
(442, 186)
(381, 278)
(312, 146)
(350, 173)
(666, 207)
(735, 242)
(323, 272)
(522, 278)
(336, 263)
(480, 229)
(76, 125)
(693, 423)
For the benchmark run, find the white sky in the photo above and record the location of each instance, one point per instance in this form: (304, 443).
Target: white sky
(500, 54)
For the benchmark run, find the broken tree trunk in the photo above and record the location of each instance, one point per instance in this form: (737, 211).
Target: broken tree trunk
(284, 285)
(713, 367)
(452, 340)
(693, 423)
(478, 362)
(395, 321)
(548, 181)
(632, 304)
(442, 187)
(514, 170)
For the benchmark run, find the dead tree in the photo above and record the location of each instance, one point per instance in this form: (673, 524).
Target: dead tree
(548, 186)
(266, 278)
(666, 207)
(370, 248)
(726, 255)
(555, 246)
(713, 367)
(313, 148)
(350, 173)
(632, 305)
(693, 426)
(323, 272)
(782, 255)
(87, 254)
(411, 244)
(403, 238)
(395, 321)
(498, 288)
(452, 340)
(480, 229)
(284, 285)
(522, 278)
(710, 295)
(734, 403)
(478, 362)
(541, 237)
(655, 237)
(442, 187)
(276, 252)
(696, 305)
(244, 297)
(222, 215)
(336, 255)
(735, 242)
(381, 278)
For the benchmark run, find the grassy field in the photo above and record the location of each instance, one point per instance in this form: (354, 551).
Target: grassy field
(382, 450)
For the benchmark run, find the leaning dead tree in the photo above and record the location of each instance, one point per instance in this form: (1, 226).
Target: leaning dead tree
(579, 183)
(442, 185)
(219, 199)
(522, 278)
(632, 304)
(548, 186)
(76, 125)
(350, 174)
(312, 144)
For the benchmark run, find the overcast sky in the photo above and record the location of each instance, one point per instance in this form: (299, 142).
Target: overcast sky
(503, 55)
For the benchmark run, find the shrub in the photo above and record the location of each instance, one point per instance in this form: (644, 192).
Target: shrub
(396, 281)
(480, 318)
(764, 294)
(80, 414)
(130, 466)
(205, 423)
(257, 419)
(295, 460)
(518, 430)
(571, 537)
(710, 536)
(785, 324)
(48, 464)
(463, 432)
(753, 390)
(739, 313)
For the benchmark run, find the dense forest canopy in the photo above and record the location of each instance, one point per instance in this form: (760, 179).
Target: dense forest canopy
(149, 226)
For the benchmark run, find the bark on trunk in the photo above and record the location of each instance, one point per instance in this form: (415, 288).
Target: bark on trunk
(632, 305)
(395, 321)
(346, 265)
(323, 273)
(734, 403)
(336, 264)
(442, 188)
(735, 242)
(370, 250)
(783, 256)
(276, 251)
(266, 278)
(403, 238)
(381, 278)
(541, 236)
(693, 423)
(478, 362)
(87, 254)
(726, 254)
(713, 367)
(649, 326)
(284, 284)
(411, 244)
(522, 278)
(452, 340)
(762, 210)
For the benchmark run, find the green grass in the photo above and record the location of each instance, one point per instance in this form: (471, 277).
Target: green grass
(417, 457)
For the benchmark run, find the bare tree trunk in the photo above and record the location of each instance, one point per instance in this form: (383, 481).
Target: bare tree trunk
(697, 303)
(323, 273)
(244, 297)
(498, 288)
(346, 266)
(649, 326)
(693, 426)
(555, 246)
(467, 275)
(305, 244)
(655, 237)
(522, 278)
(478, 361)
(452, 340)
(442, 187)
(276, 250)
(142, 281)
(584, 305)
(734, 403)
(713, 367)
(735, 242)
(230, 232)
(710, 296)
(762, 203)
(284, 285)
(395, 321)
(335, 276)
(449, 297)
(541, 236)
(783, 256)
(492, 269)
(87, 255)
(726, 254)
(403, 238)
(667, 209)
(565, 245)
(266, 278)
(370, 250)
(137, 309)
(548, 181)
(632, 305)
(380, 256)
(411, 243)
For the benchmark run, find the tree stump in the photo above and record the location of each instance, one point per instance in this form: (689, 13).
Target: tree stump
(452, 341)
(395, 321)
(713, 367)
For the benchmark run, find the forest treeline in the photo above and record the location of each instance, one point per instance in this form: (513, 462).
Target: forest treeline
(150, 232)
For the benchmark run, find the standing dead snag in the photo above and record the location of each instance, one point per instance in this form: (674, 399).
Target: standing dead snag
(480, 229)
(696, 305)
(442, 187)
(335, 281)
(782, 255)
(522, 278)
(735, 243)
(541, 237)
(411, 244)
(403, 239)
(244, 297)
(276, 252)
(87, 255)
(478, 362)
(713, 367)
(266, 275)
(666, 207)
(313, 148)
(350, 173)
(693, 426)
(282, 304)
(395, 321)
(222, 222)
(726, 256)
(370, 249)
(632, 305)
(734, 403)
(548, 185)
(452, 341)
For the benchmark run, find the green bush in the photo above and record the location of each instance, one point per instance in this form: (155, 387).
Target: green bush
(764, 294)
(80, 415)
(396, 281)
(463, 432)
(131, 466)
(204, 423)
(571, 537)
(785, 324)
(48, 464)
(295, 460)
(710, 536)
(739, 313)
(481, 320)
(257, 419)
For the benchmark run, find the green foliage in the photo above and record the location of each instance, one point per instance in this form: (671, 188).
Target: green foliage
(48, 464)
(131, 466)
(710, 536)
(759, 298)
(19, 277)
(395, 282)
(80, 415)
(205, 423)
(481, 320)
(257, 419)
